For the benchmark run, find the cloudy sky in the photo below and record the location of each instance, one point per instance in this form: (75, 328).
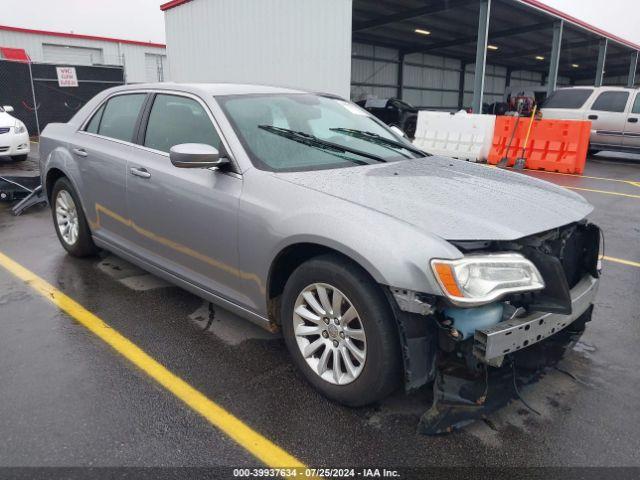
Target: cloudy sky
(143, 20)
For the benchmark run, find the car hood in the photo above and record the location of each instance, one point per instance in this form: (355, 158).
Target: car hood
(6, 120)
(453, 199)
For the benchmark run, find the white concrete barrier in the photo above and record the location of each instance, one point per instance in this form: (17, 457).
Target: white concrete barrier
(462, 135)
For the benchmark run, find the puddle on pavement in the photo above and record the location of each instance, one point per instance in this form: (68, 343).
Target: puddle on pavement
(129, 275)
(228, 327)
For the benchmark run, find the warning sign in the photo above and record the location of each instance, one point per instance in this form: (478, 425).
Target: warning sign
(67, 77)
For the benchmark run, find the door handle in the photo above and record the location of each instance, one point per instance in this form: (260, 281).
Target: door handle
(140, 172)
(80, 152)
(633, 120)
(592, 117)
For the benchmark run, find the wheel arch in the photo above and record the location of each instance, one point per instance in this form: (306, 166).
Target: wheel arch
(52, 176)
(291, 257)
(416, 334)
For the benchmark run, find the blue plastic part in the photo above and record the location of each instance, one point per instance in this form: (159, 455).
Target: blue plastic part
(468, 320)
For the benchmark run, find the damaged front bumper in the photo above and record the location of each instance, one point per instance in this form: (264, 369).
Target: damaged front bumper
(492, 344)
(462, 393)
(533, 341)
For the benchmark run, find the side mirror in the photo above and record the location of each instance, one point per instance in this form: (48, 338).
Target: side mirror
(398, 131)
(196, 155)
(8, 108)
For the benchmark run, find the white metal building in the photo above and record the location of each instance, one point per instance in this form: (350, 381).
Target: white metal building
(142, 61)
(426, 52)
(291, 43)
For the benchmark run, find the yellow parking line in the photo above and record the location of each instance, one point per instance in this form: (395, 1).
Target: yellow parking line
(623, 262)
(632, 183)
(601, 191)
(629, 182)
(260, 447)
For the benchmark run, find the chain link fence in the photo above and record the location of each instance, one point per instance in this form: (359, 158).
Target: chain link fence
(33, 91)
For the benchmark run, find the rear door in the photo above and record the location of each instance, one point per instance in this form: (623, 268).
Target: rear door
(608, 118)
(102, 148)
(184, 220)
(632, 127)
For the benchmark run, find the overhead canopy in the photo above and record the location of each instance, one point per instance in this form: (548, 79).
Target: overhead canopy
(522, 31)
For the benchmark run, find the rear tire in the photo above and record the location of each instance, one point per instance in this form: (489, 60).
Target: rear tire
(367, 332)
(19, 158)
(69, 220)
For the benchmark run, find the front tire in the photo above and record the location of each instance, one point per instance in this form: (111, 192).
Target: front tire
(340, 331)
(69, 220)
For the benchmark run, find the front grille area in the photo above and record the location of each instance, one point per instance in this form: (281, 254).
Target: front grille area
(4, 130)
(577, 247)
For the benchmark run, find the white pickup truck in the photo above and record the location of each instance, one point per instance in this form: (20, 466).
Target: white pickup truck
(614, 113)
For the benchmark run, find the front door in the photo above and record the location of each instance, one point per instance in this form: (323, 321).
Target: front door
(184, 220)
(607, 115)
(632, 127)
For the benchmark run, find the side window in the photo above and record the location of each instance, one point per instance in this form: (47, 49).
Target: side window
(636, 105)
(93, 125)
(174, 120)
(570, 98)
(611, 102)
(120, 115)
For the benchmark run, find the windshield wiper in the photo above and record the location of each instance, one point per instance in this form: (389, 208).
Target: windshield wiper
(312, 141)
(378, 140)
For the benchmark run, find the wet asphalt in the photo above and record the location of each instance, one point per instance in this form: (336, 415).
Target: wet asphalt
(67, 399)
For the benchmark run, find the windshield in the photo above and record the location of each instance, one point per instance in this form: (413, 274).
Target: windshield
(297, 132)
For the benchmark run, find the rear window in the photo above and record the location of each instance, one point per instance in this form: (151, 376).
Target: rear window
(611, 102)
(571, 98)
(120, 115)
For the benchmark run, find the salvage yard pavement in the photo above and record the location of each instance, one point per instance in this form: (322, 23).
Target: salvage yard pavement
(211, 394)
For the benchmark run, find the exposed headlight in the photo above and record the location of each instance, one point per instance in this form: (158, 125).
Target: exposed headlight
(20, 128)
(479, 279)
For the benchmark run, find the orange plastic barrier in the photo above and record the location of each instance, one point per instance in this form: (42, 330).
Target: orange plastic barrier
(554, 145)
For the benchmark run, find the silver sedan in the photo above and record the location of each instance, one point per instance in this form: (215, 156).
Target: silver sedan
(303, 213)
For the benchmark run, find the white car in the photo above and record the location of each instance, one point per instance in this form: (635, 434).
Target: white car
(14, 138)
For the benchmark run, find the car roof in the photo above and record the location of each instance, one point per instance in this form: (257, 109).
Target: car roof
(215, 89)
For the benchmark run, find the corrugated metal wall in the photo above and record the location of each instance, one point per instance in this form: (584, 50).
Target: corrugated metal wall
(111, 53)
(617, 81)
(374, 71)
(295, 43)
(429, 81)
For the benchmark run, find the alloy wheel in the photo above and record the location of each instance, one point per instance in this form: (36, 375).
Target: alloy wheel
(329, 333)
(67, 217)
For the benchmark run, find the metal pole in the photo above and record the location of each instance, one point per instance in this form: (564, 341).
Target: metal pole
(554, 66)
(463, 74)
(401, 76)
(481, 54)
(602, 60)
(33, 96)
(633, 68)
(124, 69)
